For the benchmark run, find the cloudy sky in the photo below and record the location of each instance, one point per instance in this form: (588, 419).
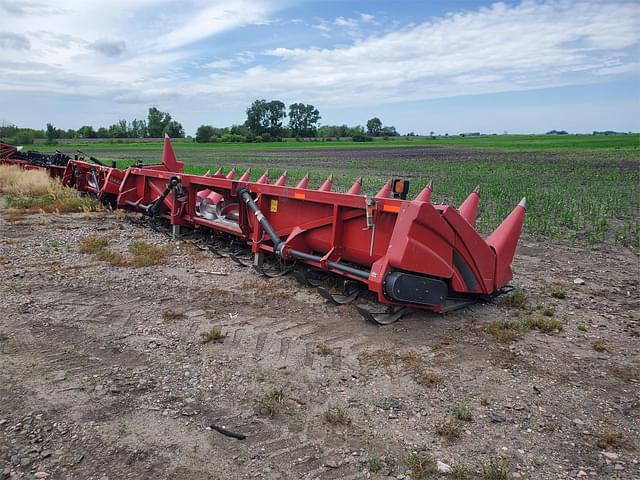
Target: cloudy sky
(443, 66)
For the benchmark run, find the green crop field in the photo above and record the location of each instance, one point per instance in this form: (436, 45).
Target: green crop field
(579, 188)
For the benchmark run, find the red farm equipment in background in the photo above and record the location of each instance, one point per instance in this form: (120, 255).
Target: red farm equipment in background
(409, 254)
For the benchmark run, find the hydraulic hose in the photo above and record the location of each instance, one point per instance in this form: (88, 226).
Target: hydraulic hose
(278, 244)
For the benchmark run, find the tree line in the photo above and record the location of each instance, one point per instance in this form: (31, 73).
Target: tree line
(265, 122)
(155, 126)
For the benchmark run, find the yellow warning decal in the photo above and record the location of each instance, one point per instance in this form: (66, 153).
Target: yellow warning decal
(274, 206)
(298, 196)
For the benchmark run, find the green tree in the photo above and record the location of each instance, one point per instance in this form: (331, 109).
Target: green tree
(52, 133)
(266, 117)
(174, 129)
(157, 122)
(102, 133)
(374, 126)
(303, 120)
(87, 131)
(204, 133)
(138, 128)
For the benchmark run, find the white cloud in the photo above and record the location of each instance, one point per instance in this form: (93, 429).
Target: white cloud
(145, 50)
(367, 18)
(494, 49)
(346, 22)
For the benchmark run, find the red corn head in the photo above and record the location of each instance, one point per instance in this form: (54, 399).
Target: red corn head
(385, 191)
(356, 187)
(469, 208)
(282, 180)
(169, 157)
(425, 194)
(304, 183)
(245, 176)
(327, 184)
(504, 241)
(264, 178)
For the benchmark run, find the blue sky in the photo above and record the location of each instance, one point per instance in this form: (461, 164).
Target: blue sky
(421, 66)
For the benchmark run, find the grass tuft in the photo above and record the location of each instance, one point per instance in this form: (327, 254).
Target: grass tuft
(517, 299)
(600, 346)
(448, 429)
(374, 464)
(495, 468)
(508, 330)
(462, 413)
(421, 464)
(272, 402)
(323, 349)
(557, 290)
(213, 335)
(146, 254)
(172, 315)
(93, 244)
(336, 416)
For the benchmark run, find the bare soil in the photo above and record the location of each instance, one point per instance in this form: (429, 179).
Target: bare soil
(103, 374)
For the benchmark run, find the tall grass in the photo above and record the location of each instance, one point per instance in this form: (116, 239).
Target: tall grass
(34, 190)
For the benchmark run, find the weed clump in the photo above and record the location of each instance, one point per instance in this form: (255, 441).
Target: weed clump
(213, 335)
(421, 464)
(146, 254)
(600, 346)
(508, 330)
(517, 299)
(495, 469)
(462, 413)
(172, 315)
(558, 291)
(448, 429)
(272, 402)
(336, 416)
(323, 349)
(411, 361)
(93, 244)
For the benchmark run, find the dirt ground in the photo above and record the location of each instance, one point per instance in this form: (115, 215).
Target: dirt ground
(103, 374)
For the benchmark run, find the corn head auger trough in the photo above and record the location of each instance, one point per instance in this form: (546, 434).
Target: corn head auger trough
(409, 254)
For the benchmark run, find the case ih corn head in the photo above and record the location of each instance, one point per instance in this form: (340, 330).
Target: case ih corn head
(409, 254)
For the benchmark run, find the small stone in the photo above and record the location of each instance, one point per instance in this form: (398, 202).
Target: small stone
(617, 466)
(578, 281)
(45, 454)
(41, 475)
(610, 456)
(332, 462)
(194, 313)
(578, 422)
(582, 473)
(15, 460)
(25, 461)
(443, 467)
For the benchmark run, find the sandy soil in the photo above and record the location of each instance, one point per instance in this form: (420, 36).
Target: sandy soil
(103, 374)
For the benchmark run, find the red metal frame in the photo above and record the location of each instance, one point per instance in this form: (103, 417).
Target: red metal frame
(359, 237)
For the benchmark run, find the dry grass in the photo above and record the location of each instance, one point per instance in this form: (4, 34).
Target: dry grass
(496, 468)
(600, 346)
(323, 349)
(610, 438)
(336, 416)
(421, 464)
(93, 244)
(172, 315)
(34, 191)
(19, 182)
(410, 361)
(448, 429)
